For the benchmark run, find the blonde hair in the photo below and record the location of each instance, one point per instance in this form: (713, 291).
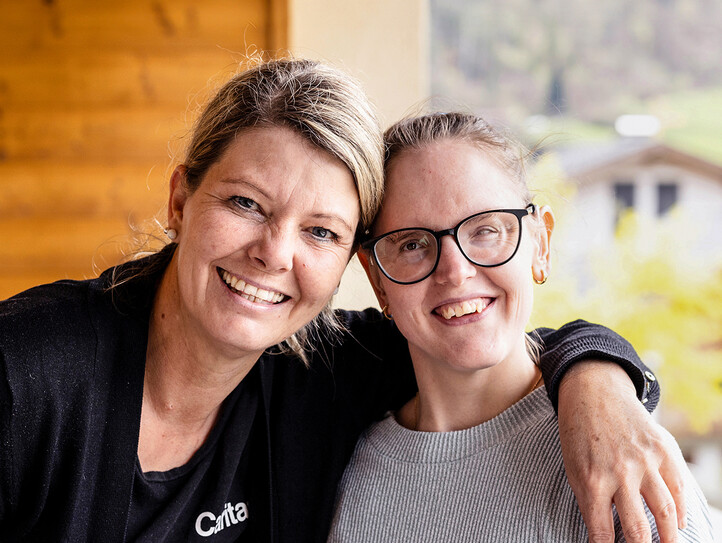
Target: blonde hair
(417, 132)
(324, 105)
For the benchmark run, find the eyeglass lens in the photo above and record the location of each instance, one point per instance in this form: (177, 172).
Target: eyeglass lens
(487, 239)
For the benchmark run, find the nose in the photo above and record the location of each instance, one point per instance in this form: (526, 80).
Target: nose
(453, 267)
(273, 251)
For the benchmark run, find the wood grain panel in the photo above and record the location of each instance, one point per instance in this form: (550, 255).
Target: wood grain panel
(114, 133)
(133, 25)
(95, 98)
(60, 243)
(62, 189)
(113, 78)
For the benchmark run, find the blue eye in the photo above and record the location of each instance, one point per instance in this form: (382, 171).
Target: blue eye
(245, 203)
(323, 233)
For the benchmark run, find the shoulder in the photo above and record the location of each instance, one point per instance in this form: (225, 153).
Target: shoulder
(48, 343)
(46, 316)
(63, 336)
(369, 318)
(66, 316)
(47, 346)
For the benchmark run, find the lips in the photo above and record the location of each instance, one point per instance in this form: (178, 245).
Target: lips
(459, 309)
(250, 292)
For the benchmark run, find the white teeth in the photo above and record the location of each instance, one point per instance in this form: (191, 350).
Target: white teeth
(250, 292)
(265, 295)
(464, 308)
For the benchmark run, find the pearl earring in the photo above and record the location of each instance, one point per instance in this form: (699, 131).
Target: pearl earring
(171, 233)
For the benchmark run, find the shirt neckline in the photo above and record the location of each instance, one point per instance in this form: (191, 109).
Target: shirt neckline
(246, 386)
(391, 439)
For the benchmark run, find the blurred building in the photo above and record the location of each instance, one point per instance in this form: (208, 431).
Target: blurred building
(650, 179)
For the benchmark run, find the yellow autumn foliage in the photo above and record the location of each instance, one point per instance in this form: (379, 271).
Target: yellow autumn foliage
(646, 288)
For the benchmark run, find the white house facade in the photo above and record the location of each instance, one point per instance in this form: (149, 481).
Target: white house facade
(676, 198)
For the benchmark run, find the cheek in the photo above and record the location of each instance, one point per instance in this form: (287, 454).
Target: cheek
(406, 305)
(206, 232)
(517, 283)
(320, 274)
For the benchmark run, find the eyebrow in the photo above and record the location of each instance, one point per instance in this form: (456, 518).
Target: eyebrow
(405, 233)
(333, 217)
(236, 181)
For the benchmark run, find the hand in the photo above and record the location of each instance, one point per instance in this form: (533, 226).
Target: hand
(613, 452)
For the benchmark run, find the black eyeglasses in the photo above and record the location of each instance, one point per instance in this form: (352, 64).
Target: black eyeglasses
(487, 239)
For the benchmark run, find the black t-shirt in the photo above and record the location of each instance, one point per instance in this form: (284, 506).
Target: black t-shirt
(213, 497)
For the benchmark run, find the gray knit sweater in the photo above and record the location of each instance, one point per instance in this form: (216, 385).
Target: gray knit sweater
(501, 481)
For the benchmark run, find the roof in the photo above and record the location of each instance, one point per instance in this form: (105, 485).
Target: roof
(580, 160)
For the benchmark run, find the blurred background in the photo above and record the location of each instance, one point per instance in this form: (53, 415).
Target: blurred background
(619, 102)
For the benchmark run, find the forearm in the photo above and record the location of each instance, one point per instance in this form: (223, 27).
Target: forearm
(613, 451)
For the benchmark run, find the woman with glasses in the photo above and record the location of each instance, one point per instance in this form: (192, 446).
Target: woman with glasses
(475, 456)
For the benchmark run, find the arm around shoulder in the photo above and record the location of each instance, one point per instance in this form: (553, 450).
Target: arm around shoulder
(580, 341)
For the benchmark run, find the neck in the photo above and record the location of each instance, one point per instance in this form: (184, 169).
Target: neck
(186, 376)
(450, 399)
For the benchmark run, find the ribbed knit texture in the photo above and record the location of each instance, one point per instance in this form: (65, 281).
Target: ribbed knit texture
(501, 481)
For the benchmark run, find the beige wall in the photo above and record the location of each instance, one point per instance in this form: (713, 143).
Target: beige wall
(385, 44)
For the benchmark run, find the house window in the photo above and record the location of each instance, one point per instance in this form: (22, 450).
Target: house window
(624, 195)
(623, 198)
(667, 194)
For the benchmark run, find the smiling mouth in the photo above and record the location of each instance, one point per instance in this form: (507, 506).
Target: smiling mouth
(459, 309)
(250, 292)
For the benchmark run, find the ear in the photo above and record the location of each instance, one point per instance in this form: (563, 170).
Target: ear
(541, 264)
(374, 275)
(177, 198)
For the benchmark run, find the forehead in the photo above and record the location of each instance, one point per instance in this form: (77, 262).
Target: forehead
(284, 165)
(441, 183)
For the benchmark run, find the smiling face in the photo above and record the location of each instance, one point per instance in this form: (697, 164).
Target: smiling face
(463, 315)
(262, 242)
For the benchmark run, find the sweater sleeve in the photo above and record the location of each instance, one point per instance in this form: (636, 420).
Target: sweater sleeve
(580, 340)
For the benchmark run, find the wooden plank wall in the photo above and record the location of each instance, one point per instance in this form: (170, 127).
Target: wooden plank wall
(91, 94)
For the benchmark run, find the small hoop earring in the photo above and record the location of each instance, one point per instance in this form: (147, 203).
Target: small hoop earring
(386, 313)
(543, 279)
(171, 233)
